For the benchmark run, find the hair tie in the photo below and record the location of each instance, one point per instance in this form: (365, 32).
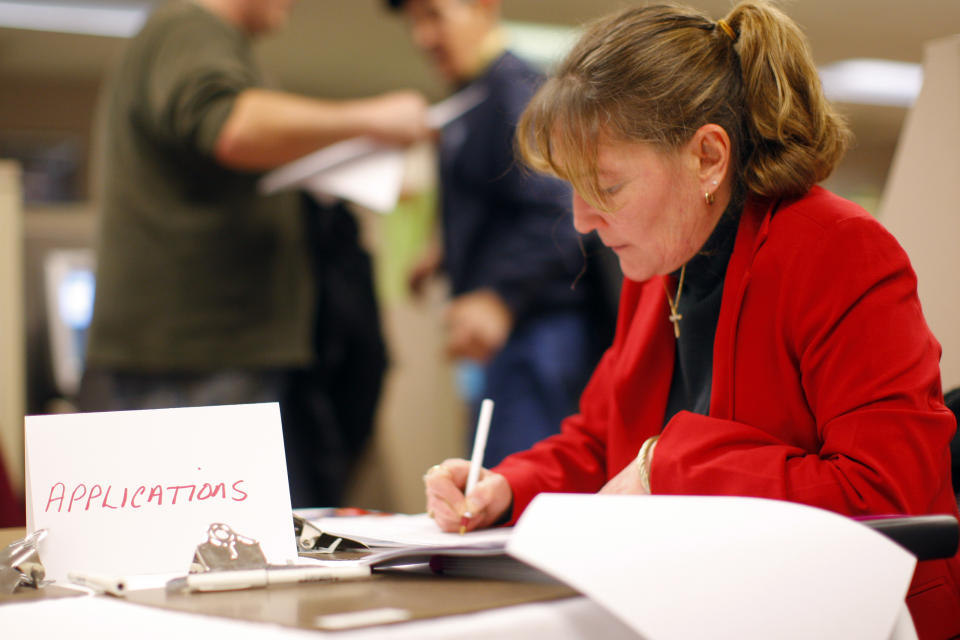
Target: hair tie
(727, 29)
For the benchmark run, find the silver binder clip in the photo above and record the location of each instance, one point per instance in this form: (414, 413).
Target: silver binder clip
(226, 549)
(311, 540)
(20, 563)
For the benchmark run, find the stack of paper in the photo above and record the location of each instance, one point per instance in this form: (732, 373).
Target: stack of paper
(408, 531)
(403, 540)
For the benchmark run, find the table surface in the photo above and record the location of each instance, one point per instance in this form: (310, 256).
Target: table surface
(421, 595)
(9, 535)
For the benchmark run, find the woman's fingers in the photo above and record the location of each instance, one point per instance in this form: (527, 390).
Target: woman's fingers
(444, 485)
(489, 501)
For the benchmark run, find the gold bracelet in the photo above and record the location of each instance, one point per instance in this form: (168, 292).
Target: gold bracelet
(643, 461)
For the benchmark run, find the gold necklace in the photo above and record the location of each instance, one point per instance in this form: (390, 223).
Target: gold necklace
(675, 315)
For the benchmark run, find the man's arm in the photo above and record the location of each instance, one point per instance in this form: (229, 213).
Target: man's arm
(268, 128)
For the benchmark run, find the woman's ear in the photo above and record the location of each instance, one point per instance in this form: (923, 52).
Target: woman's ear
(710, 147)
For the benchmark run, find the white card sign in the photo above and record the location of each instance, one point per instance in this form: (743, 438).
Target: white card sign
(134, 492)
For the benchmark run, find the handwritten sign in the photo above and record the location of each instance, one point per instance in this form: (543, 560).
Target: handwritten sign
(134, 492)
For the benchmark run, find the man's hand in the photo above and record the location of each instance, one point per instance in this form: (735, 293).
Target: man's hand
(398, 117)
(266, 128)
(478, 325)
(425, 267)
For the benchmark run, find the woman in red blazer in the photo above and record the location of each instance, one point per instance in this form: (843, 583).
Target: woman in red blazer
(770, 340)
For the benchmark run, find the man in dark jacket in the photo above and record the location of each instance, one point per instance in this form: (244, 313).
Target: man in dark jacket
(508, 245)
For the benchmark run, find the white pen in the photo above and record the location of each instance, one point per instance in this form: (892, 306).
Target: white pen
(107, 584)
(476, 459)
(254, 578)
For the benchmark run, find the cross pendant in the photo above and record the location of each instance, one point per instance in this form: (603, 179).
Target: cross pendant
(675, 319)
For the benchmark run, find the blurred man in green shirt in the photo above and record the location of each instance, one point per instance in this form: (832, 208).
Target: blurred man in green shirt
(208, 292)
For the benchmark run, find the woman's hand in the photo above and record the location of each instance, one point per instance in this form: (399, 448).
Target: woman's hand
(635, 477)
(627, 481)
(444, 484)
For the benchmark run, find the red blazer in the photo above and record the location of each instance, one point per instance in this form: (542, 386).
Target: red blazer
(826, 388)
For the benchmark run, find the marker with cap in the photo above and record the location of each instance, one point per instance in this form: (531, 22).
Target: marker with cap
(113, 585)
(235, 580)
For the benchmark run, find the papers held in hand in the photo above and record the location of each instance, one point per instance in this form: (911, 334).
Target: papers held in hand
(362, 170)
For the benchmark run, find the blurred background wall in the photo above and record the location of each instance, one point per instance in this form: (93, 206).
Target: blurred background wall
(50, 80)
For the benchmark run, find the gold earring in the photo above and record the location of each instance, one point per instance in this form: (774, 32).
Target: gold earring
(708, 198)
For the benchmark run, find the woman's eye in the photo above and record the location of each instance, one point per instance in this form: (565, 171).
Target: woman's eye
(612, 190)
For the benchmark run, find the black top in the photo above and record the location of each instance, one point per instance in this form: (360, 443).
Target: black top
(700, 307)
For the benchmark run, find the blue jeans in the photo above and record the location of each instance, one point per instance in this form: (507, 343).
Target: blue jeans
(535, 381)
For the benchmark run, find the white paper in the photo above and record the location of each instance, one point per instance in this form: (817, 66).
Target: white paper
(294, 174)
(446, 111)
(903, 628)
(403, 530)
(134, 492)
(362, 170)
(372, 181)
(719, 567)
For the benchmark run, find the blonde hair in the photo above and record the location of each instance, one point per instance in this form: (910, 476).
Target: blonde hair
(656, 74)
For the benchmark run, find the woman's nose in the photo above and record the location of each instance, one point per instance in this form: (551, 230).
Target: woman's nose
(585, 217)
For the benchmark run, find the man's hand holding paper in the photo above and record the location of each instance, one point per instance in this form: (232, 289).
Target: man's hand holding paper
(397, 117)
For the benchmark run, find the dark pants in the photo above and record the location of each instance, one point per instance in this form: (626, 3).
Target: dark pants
(318, 459)
(535, 381)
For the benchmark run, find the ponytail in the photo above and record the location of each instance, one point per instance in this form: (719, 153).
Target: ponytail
(797, 137)
(656, 74)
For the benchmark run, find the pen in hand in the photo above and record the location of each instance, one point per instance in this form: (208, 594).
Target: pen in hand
(476, 459)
